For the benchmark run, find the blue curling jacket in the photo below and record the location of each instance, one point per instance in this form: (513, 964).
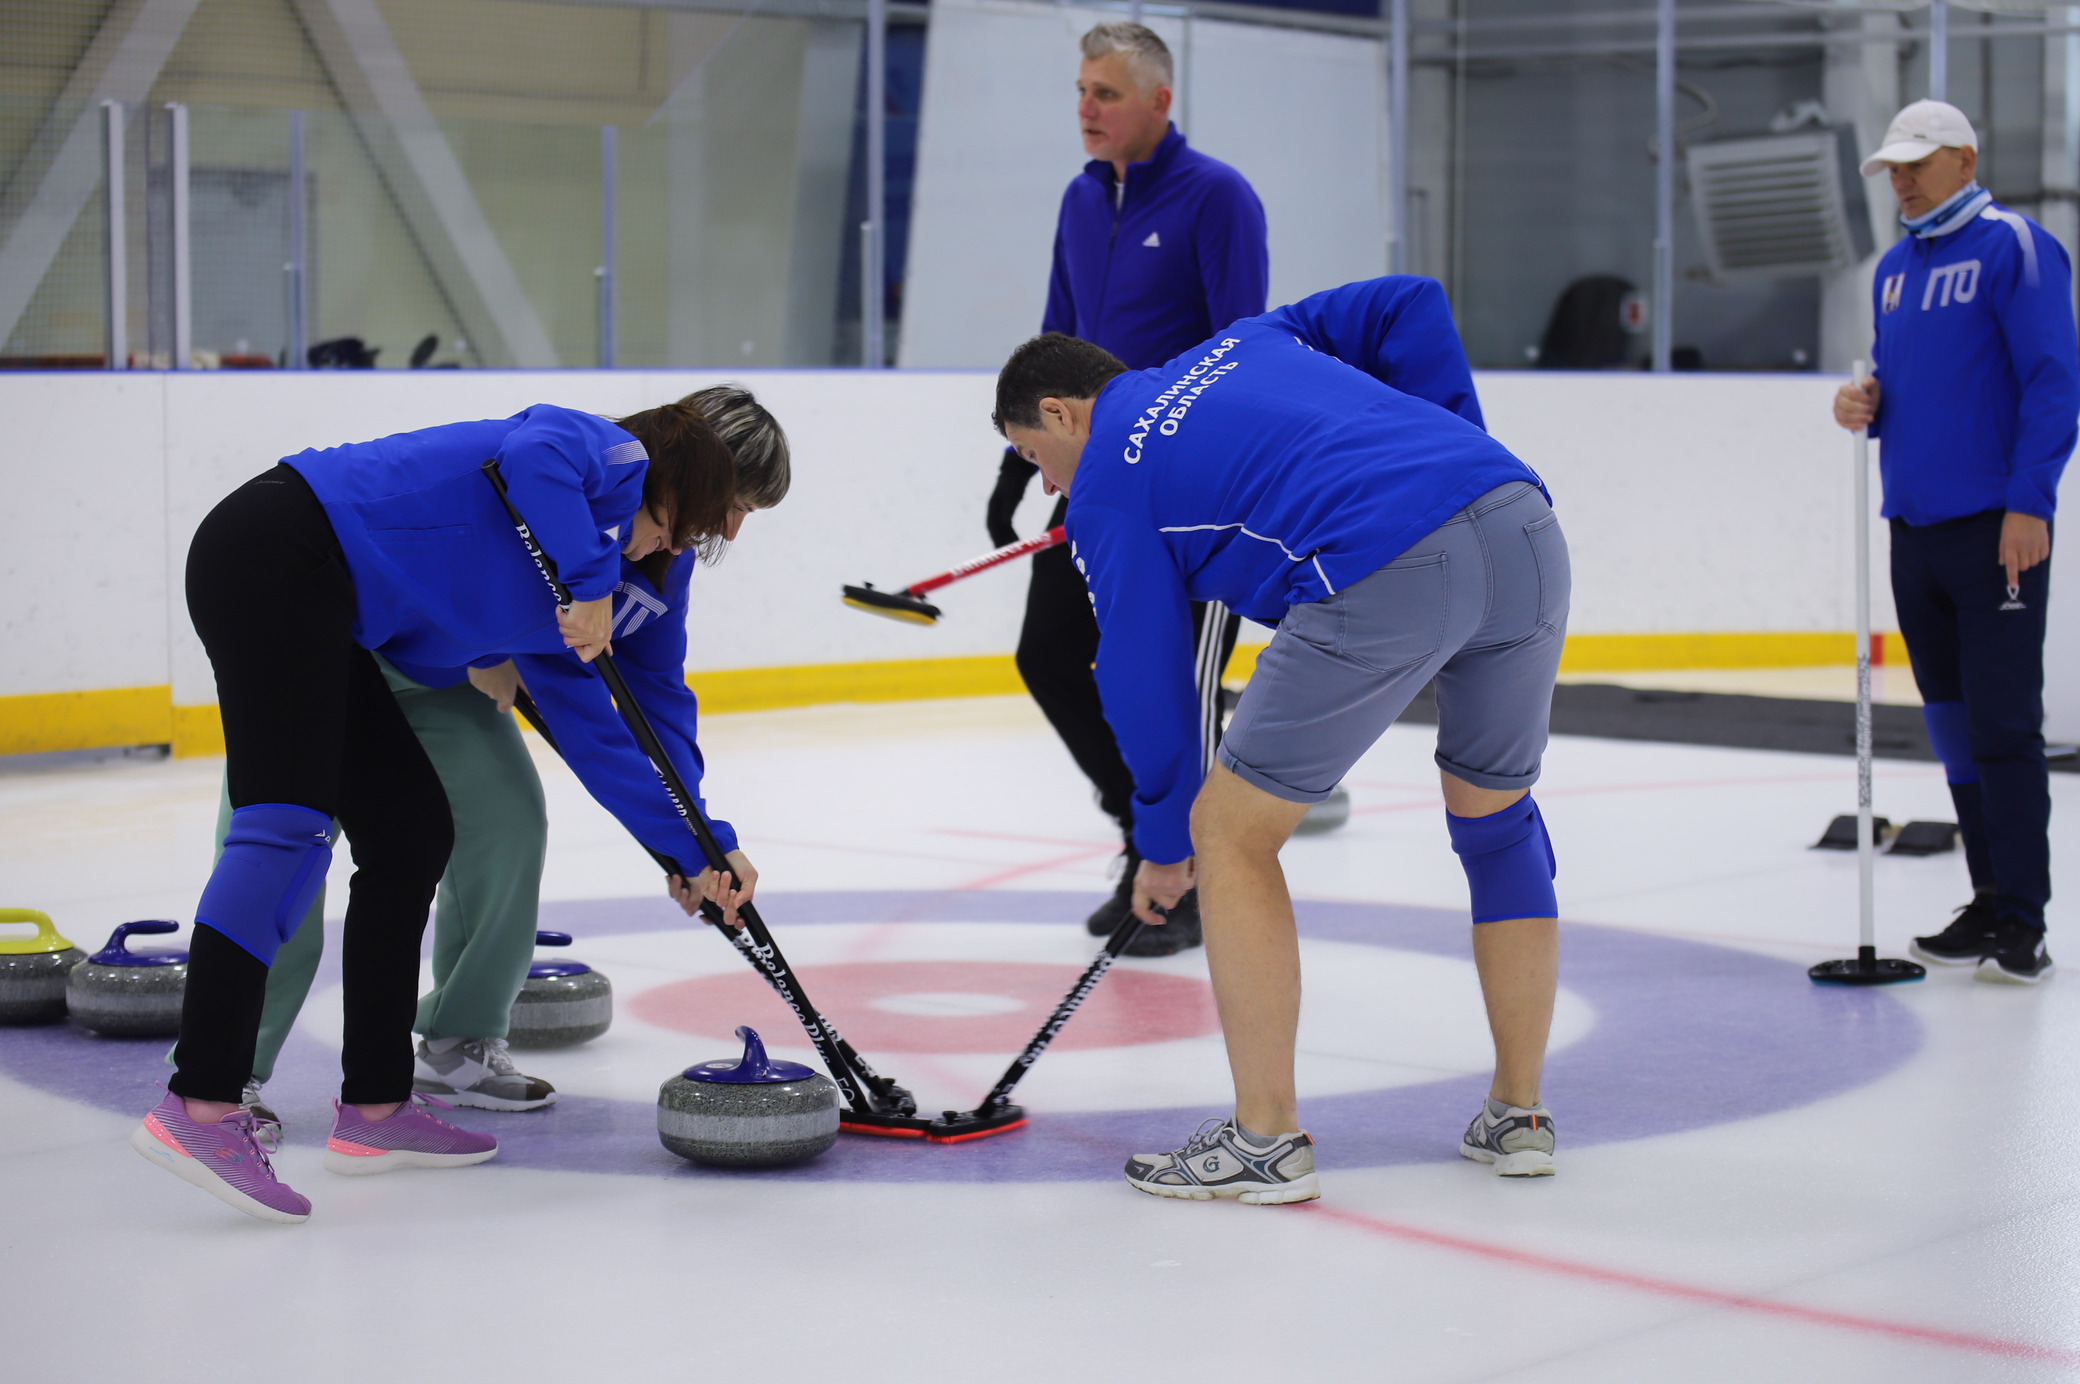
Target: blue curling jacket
(1145, 276)
(440, 578)
(650, 649)
(441, 581)
(1275, 464)
(1979, 374)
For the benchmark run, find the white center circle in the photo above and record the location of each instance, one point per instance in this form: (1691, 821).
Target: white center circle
(947, 1004)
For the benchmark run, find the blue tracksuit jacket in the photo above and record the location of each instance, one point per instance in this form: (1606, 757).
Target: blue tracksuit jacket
(650, 650)
(1181, 255)
(1979, 402)
(440, 578)
(441, 581)
(1275, 464)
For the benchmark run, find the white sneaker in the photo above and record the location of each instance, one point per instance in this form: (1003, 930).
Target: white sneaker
(267, 1126)
(1220, 1161)
(1519, 1142)
(478, 1072)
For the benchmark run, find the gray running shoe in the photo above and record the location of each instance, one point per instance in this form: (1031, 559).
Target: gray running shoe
(478, 1072)
(267, 1126)
(1517, 1141)
(1221, 1162)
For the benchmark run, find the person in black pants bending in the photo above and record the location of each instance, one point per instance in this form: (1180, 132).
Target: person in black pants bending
(1156, 247)
(295, 582)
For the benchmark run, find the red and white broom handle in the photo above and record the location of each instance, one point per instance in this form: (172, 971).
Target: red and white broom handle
(1009, 552)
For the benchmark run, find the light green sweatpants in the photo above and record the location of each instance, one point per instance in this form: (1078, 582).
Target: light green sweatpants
(484, 915)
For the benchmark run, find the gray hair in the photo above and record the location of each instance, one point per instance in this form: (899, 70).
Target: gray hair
(756, 443)
(1146, 53)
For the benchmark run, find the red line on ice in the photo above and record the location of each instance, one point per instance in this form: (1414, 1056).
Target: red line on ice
(1037, 867)
(1714, 1297)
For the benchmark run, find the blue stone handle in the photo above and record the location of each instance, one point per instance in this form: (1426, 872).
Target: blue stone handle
(552, 939)
(756, 1065)
(116, 953)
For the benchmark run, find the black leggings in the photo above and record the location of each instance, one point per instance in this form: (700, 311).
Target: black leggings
(1056, 646)
(308, 720)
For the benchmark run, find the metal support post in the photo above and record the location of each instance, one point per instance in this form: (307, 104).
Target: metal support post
(873, 292)
(296, 270)
(1397, 117)
(609, 240)
(115, 221)
(1939, 50)
(1664, 181)
(183, 283)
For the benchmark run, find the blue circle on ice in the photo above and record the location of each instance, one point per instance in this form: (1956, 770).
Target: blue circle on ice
(1687, 1035)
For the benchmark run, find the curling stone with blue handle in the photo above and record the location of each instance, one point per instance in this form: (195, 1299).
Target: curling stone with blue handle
(562, 1002)
(119, 993)
(751, 1113)
(33, 970)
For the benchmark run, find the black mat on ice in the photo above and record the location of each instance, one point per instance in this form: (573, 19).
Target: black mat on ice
(1800, 724)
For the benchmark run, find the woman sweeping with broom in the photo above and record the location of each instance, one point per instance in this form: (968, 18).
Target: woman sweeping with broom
(397, 545)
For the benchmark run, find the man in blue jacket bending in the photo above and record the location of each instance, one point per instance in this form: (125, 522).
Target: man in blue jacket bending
(1391, 542)
(1156, 245)
(1976, 389)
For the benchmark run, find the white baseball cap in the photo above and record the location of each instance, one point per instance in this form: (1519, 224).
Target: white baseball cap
(1919, 131)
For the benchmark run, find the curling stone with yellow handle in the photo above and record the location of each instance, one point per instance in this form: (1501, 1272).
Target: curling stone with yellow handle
(33, 969)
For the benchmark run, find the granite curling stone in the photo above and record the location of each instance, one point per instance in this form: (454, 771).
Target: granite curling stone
(1328, 814)
(33, 970)
(119, 993)
(562, 1002)
(752, 1113)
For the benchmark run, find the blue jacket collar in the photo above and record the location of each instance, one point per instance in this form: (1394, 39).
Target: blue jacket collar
(1953, 215)
(1139, 175)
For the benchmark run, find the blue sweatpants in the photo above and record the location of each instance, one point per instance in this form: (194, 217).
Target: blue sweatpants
(1971, 643)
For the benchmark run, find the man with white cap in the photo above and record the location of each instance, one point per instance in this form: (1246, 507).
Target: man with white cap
(1975, 388)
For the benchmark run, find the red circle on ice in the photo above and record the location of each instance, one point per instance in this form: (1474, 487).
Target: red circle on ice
(948, 1007)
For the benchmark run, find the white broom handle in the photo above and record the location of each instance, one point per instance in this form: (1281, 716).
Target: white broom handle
(1866, 852)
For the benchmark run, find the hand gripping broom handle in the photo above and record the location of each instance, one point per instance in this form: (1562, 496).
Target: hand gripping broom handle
(759, 944)
(884, 1088)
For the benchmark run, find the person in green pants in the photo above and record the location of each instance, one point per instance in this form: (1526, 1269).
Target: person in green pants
(484, 915)
(485, 910)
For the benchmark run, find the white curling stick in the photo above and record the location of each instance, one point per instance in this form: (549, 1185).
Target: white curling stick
(1866, 849)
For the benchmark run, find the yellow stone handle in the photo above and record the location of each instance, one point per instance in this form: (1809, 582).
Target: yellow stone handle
(45, 940)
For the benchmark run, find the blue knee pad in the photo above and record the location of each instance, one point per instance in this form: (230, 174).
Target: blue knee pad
(1509, 862)
(1949, 731)
(275, 859)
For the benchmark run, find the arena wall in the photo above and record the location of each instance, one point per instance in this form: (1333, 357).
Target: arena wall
(1708, 517)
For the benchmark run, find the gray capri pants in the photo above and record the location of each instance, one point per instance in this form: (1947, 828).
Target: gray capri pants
(1480, 605)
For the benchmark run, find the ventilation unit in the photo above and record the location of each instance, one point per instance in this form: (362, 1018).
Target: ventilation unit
(1780, 205)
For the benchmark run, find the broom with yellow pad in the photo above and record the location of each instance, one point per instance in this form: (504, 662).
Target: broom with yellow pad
(909, 603)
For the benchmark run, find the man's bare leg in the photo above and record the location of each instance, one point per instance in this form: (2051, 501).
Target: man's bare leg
(1252, 948)
(1519, 964)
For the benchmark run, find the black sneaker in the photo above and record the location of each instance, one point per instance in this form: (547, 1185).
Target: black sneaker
(1179, 934)
(2017, 956)
(1968, 938)
(1114, 910)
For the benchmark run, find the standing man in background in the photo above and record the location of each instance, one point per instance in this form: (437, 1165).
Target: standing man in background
(1157, 246)
(1976, 385)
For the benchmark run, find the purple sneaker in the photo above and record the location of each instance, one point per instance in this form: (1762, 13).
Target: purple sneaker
(411, 1138)
(222, 1159)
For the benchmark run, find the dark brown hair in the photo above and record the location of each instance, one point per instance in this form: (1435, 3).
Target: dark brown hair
(690, 484)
